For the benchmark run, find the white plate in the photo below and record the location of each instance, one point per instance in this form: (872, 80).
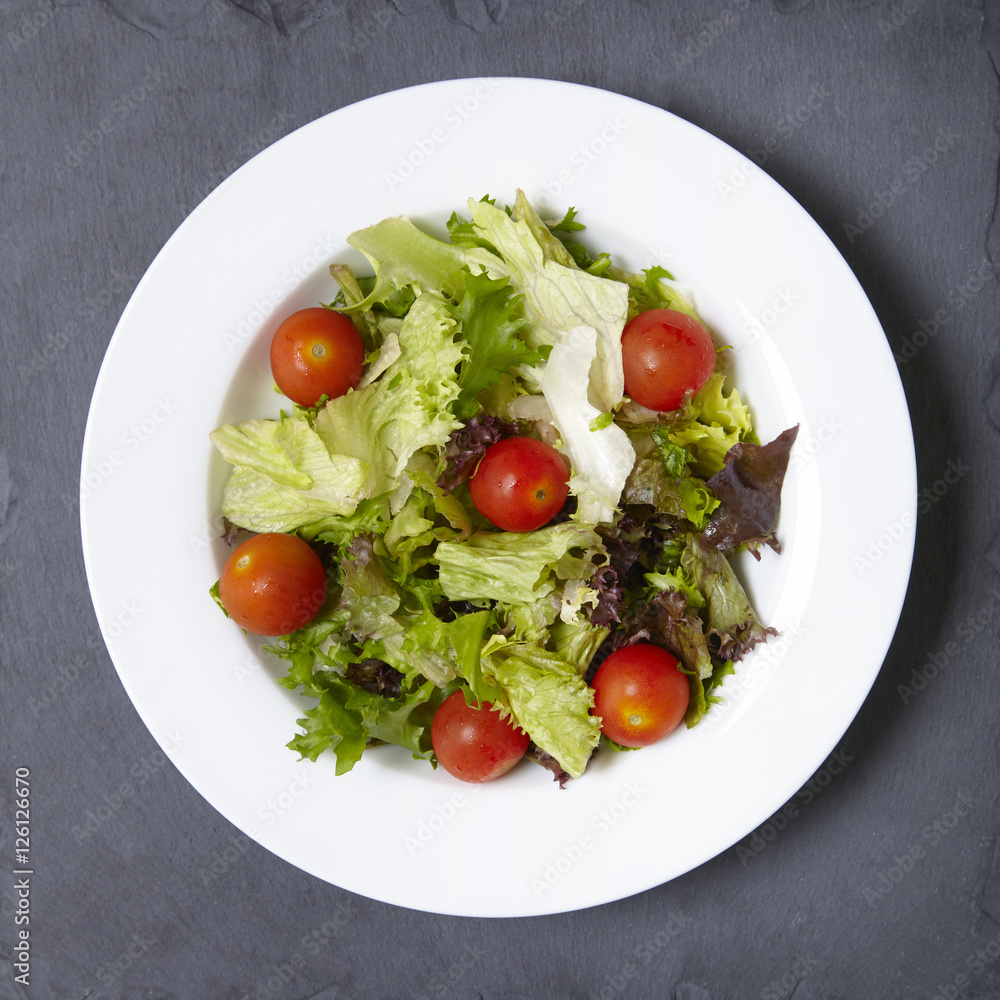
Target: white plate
(190, 353)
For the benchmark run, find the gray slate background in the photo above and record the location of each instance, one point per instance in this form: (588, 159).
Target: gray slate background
(141, 889)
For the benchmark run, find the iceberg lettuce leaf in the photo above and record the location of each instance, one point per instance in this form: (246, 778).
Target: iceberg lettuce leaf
(550, 699)
(558, 297)
(603, 458)
(512, 567)
(382, 425)
(402, 255)
(284, 477)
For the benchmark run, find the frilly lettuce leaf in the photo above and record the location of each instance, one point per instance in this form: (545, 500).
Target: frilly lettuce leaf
(346, 717)
(285, 477)
(512, 567)
(719, 422)
(401, 255)
(557, 297)
(733, 628)
(382, 429)
(653, 288)
(490, 323)
(368, 596)
(548, 697)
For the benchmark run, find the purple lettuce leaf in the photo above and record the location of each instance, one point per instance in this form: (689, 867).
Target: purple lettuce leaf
(748, 488)
(467, 445)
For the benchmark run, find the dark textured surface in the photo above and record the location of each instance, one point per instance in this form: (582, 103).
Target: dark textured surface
(117, 117)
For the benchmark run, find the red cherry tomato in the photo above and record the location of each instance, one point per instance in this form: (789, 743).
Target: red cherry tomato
(520, 484)
(475, 744)
(666, 354)
(640, 694)
(272, 584)
(316, 351)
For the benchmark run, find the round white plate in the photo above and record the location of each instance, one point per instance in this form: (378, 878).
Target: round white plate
(190, 353)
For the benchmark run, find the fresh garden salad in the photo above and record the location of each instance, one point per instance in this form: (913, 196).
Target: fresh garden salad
(497, 517)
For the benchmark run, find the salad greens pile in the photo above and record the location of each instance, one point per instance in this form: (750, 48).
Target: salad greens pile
(509, 327)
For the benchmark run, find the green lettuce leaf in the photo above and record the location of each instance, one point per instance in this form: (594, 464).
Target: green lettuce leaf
(347, 717)
(549, 699)
(513, 567)
(402, 255)
(734, 628)
(719, 422)
(557, 297)
(382, 425)
(368, 596)
(647, 485)
(284, 477)
(442, 651)
(577, 642)
(653, 289)
(489, 319)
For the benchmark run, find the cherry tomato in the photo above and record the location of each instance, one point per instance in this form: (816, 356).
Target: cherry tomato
(316, 351)
(520, 484)
(272, 584)
(640, 694)
(666, 354)
(475, 744)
